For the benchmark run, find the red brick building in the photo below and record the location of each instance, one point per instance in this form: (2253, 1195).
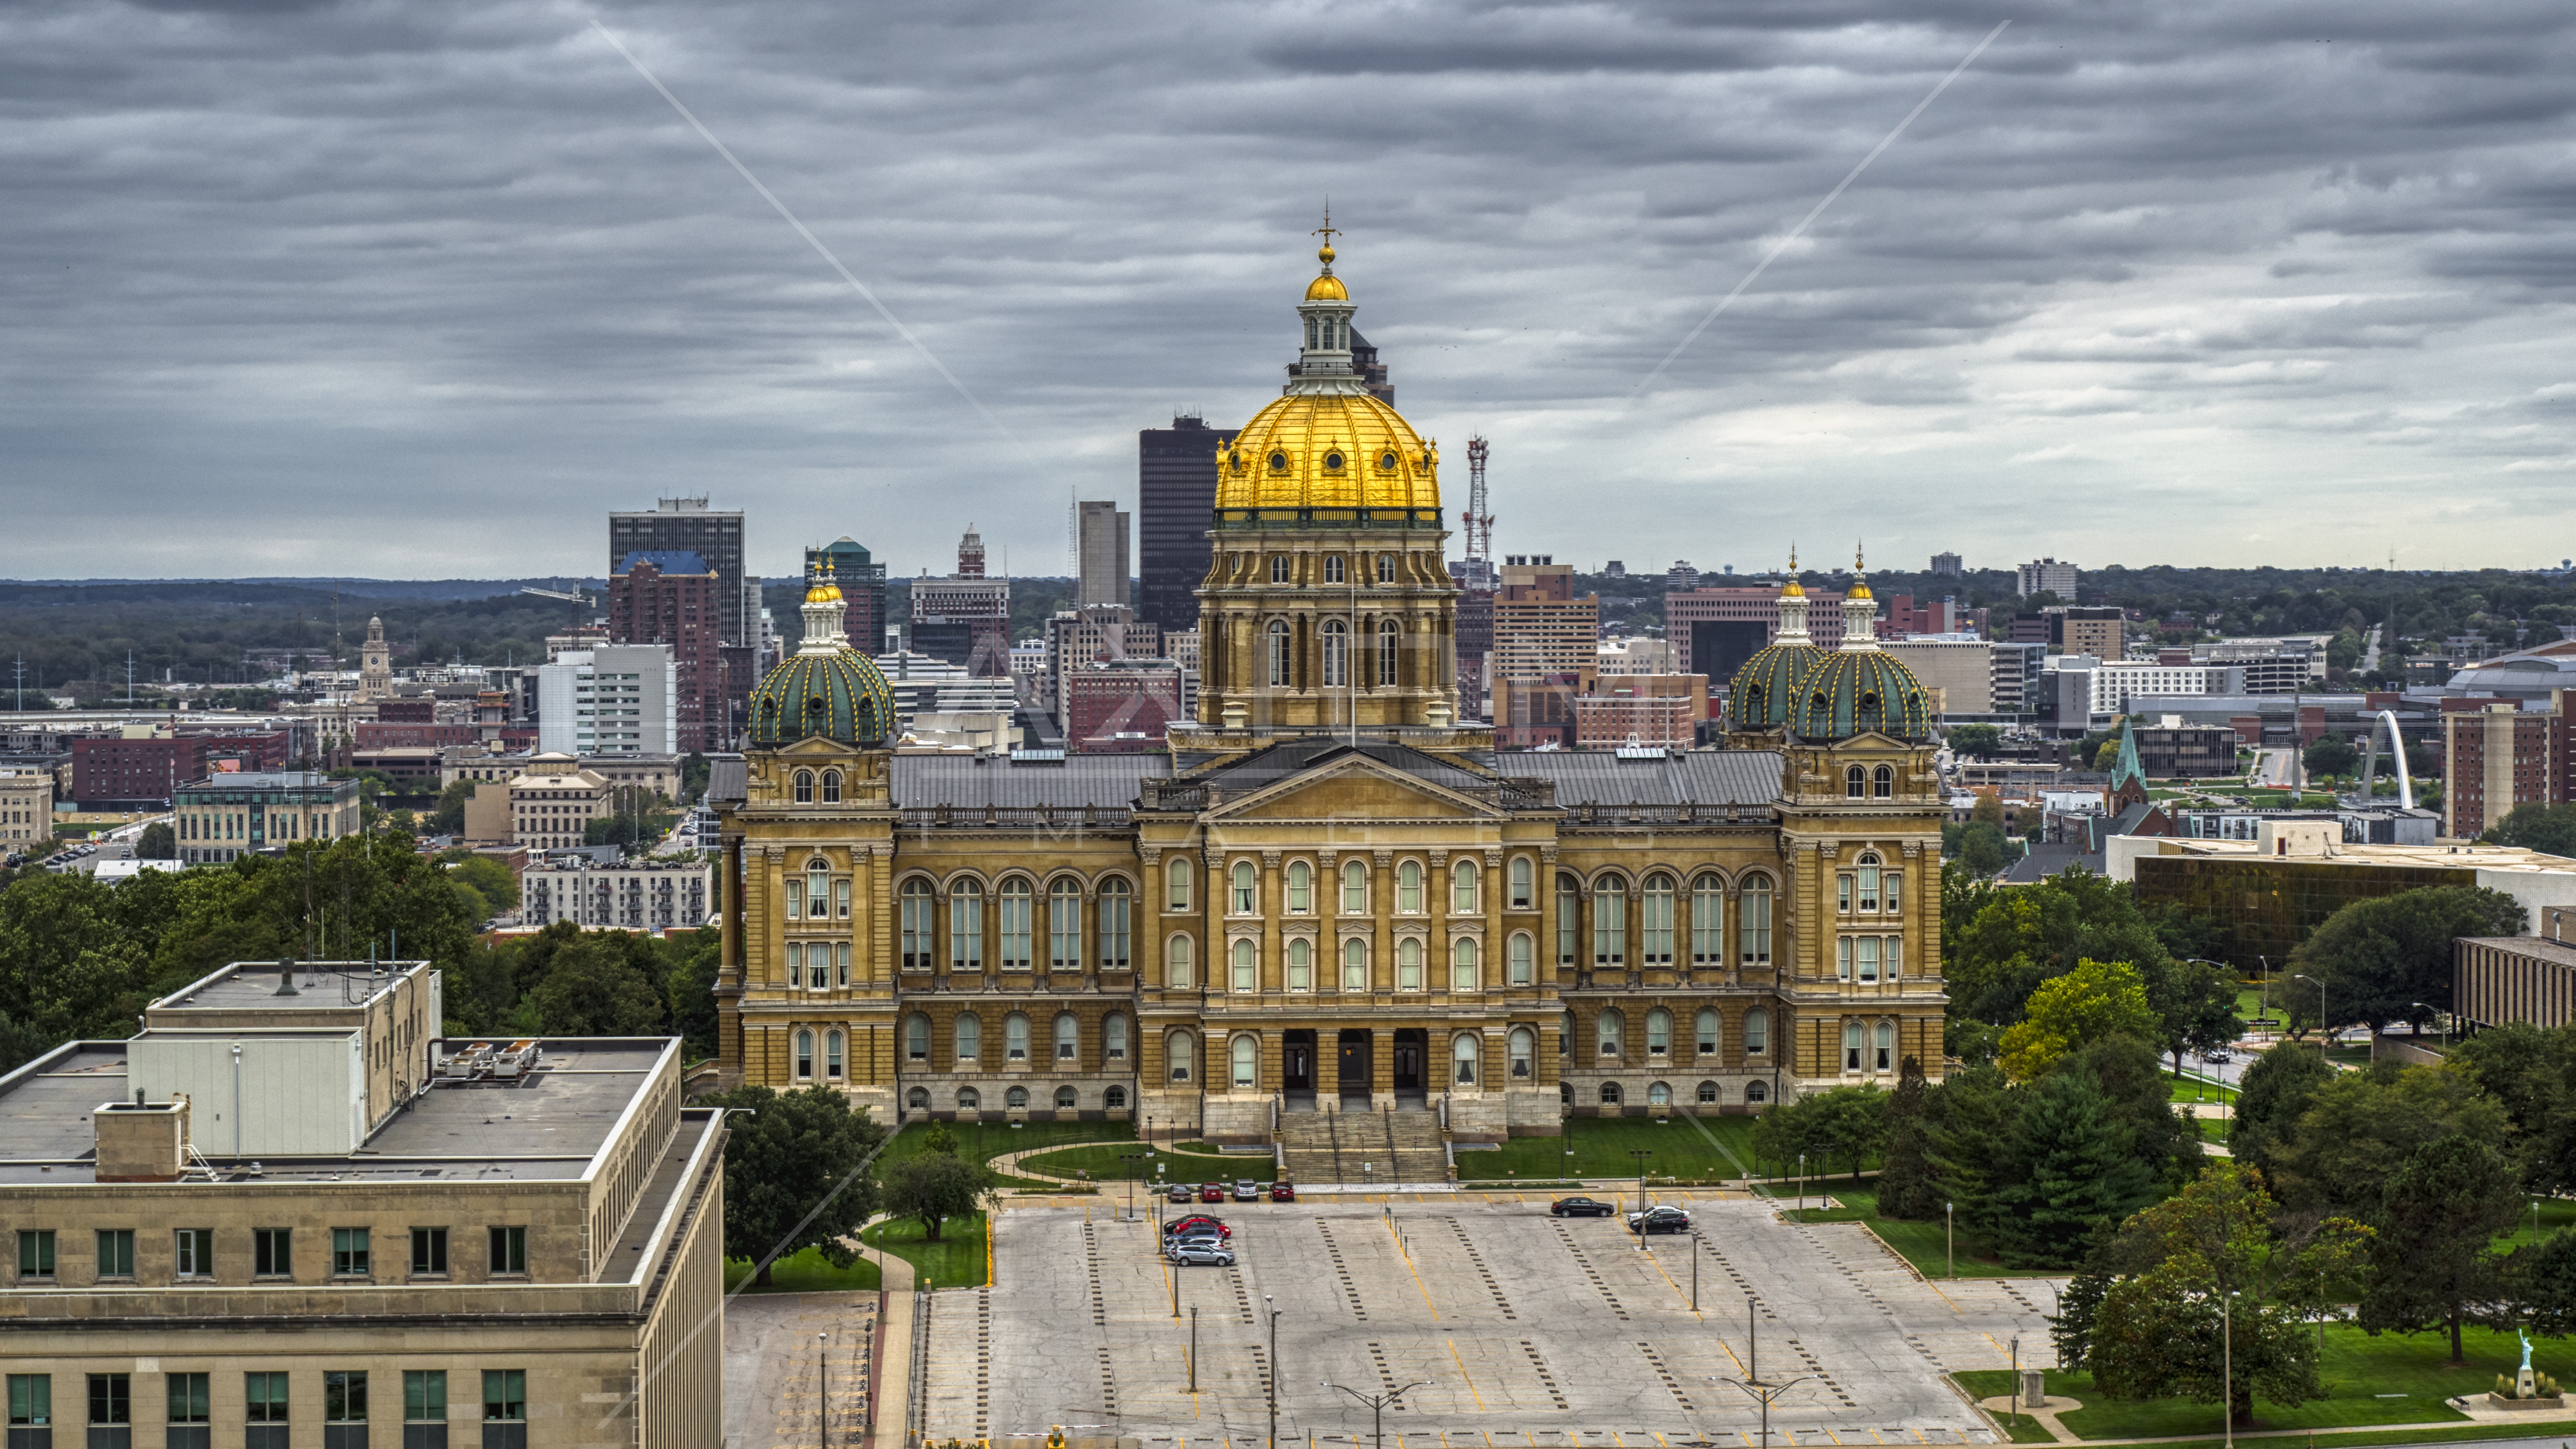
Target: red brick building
(647, 605)
(108, 771)
(2496, 756)
(1120, 709)
(382, 736)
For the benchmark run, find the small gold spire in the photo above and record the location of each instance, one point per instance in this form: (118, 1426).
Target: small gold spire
(1793, 591)
(1327, 231)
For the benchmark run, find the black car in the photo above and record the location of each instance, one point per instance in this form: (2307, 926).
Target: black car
(1580, 1207)
(1659, 1219)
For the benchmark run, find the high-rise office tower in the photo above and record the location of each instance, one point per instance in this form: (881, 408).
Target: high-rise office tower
(1103, 544)
(670, 599)
(862, 582)
(687, 525)
(1176, 506)
(966, 617)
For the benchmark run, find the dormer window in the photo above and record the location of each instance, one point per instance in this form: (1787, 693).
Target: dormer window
(1386, 462)
(1333, 462)
(1278, 462)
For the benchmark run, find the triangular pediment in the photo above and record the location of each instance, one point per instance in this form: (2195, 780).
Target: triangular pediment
(1353, 787)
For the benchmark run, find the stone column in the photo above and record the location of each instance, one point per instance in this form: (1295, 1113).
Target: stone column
(1494, 963)
(1274, 967)
(1435, 952)
(1381, 916)
(1543, 959)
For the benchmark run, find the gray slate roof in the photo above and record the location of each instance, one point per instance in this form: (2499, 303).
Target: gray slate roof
(969, 782)
(1697, 777)
(1268, 767)
(728, 781)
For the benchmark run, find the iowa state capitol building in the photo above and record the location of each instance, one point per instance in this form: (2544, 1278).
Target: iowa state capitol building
(1330, 893)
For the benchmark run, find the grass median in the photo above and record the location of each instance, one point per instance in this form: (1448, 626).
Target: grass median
(956, 1260)
(806, 1272)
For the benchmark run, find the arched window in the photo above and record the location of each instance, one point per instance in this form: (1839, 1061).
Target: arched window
(1389, 644)
(1882, 782)
(1753, 922)
(1247, 1061)
(1064, 925)
(969, 1037)
(1755, 1094)
(1246, 968)
(1519, 960)
(916, 924)
(804, 1055)
(1279, 568)
(1176, 884)
(1884, 1047)
(1016, 1099)
(1659, 1095)
(1355, 965)
(1708, 1094)
(1609, 921)
(804, 787)
(1115, 1099)
(969, 1100)
(1019, 912)
(1609, 1094)
(1462, 966)
(1656, 902)
(1465, 882)
(1608, 1030)
(1462, 1053)
(1408, 888)
(1113, 1037)
(1301, 965)
(1386, 568)
(1704, 1032)
(1178, 964)
(916, 1038)
(966, 926)
(1867, 870)
(1114, 925)
(1757, 1032)
(1408, 964)
(1569, 918)
(1856, 782)
(1279, 654)
(1301, 888)
(918, 1099)
(1337, 654)
(1354, 889)
(818, 888)
(1332, 568)
(1068, 1037)
(831, 787)
(1708, 914)
(1851, 1046)
(832, 1055)
(1659, 1033)
(1178, 1049)
(1522, 876)
(1066, 1099)
(1523, 1053)
(1247, 889)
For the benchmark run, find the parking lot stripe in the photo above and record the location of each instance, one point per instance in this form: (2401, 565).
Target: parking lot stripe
(1462, 1367)
(1408, 1267)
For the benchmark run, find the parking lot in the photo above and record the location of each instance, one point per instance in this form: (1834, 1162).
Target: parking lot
(1510, 1325)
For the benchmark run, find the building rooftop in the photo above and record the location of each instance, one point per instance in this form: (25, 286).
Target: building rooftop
(332, 985)
(2449, 856)
(268, 780)
(546, 1125)
(2556, 953)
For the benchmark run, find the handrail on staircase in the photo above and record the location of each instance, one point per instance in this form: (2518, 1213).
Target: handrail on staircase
(1394, 1164)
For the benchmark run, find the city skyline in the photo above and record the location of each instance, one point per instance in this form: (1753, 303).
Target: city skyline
(329, 286)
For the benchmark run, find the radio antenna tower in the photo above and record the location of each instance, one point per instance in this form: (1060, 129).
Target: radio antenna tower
(1480, 524)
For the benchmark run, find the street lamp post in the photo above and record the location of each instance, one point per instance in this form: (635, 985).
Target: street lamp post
(1377, 1404)
(823, 1376)
(1273, 1311)
(1133, 1173)
(1802, 1182)
(2446, 1023)
(1694, 1269)
(1763, 1394)
(1641, 1154)
(2013, 1414)
(2227, 1364)
(2321, 1007)
(1950, 1235)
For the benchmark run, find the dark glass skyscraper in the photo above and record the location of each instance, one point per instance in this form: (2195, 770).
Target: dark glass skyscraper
(1176, 506)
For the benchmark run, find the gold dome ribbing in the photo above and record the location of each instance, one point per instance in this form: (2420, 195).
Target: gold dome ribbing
(1307, 433)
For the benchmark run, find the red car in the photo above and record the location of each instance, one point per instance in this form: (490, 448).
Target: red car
(1283, 1192)
(1197, 1223)
(1211, 1192)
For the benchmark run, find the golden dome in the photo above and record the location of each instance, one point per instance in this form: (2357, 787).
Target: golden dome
(1793, 591)
(1860, 585)
(1327, 288)
(1328, 450)
(822, 589)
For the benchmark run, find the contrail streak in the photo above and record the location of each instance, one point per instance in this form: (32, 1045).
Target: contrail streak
(1800, 229)
(810, 239)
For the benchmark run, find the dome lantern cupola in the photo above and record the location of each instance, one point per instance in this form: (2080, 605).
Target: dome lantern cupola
(1860, 612)
(826, 689)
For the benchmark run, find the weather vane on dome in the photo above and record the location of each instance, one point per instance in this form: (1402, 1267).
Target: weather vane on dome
(1327, 231)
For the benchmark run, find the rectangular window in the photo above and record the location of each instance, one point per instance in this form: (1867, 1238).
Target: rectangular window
(1869, 889)
(916, 931)
(505, 1409)
(1114, 932)
(1657, 946)
(1017, 910)
(194, 1254)
(344, 1409)
(429, 1252)
(348, 1252)
(1895, 885)
(264, 1411)
(1609, 926)
(841, 899)
(1568, 920)
(509, 1251)
(271, 1252)
(966, 931)
(111, 1405)
(1895, 956)
(116, 1252)
(36, 1253)
(1842, 958)
(1867, 949)
(1753, 927)
(424, 1409)
(1842, 895)
(31, 1407)
(191, 1411)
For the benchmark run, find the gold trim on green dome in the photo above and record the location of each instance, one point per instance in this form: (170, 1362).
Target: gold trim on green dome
(837, 696)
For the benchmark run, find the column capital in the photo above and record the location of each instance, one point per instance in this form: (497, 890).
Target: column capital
(1385, 858)
(1270, 859)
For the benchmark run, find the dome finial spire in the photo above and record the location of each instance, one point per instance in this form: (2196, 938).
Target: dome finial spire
(1327, 231)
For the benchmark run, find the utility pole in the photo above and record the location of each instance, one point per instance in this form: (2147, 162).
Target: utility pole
(1377, 1404)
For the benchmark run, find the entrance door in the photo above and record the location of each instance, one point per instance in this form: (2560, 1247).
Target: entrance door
(1409, 1044)
(1297, 1061)
(1358, 1050)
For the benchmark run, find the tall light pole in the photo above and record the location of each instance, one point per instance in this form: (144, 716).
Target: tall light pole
(1273, 1311)
(2446, 1023)
(1641, 1154)
(1763, 1394)
(2321, 1007)
(1694, 1269)
(1950, 1235)
(1133, 1173)
(1377, 1404)
(2227, 1363)
(823, 1375)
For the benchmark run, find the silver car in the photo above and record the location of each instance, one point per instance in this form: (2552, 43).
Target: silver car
(1202, 1253)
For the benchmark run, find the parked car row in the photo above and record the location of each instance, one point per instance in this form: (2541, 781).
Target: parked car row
(1245, 1190)
(1661, 1218)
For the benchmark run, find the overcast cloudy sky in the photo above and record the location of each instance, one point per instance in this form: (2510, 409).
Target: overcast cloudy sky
(424, 289)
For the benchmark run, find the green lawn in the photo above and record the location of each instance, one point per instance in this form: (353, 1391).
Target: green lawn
(806, 1272)
(2358, 1371)
(983, 1142)
(2556, 1215)
(1187, 1160)
(955, 1261)
(1925, 1245)
(1600, 1148)
(2194, 1089)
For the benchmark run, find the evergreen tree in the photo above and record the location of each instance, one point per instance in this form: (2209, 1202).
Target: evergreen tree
(2269, 1099)
(1906, 1189)
(2073, 1173)
(2432, 1266)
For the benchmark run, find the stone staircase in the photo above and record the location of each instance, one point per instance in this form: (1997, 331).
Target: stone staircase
(1378, 1147)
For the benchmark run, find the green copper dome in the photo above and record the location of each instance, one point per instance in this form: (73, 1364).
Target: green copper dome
(1821, 694)
(836, 694)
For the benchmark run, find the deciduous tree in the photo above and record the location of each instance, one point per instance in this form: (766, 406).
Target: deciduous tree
(795, 1174)
(932, 1187)
(2378, 957)
(2094, 1001)
(2432, 1266)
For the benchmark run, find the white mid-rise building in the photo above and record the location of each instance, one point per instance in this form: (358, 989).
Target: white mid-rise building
(2048, 576)
(2093, 692)
(644, 896)
(610, 699)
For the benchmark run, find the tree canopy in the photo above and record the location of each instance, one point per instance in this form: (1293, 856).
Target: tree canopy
(795, 1173)
(2377, 958)
(2094, 1001)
